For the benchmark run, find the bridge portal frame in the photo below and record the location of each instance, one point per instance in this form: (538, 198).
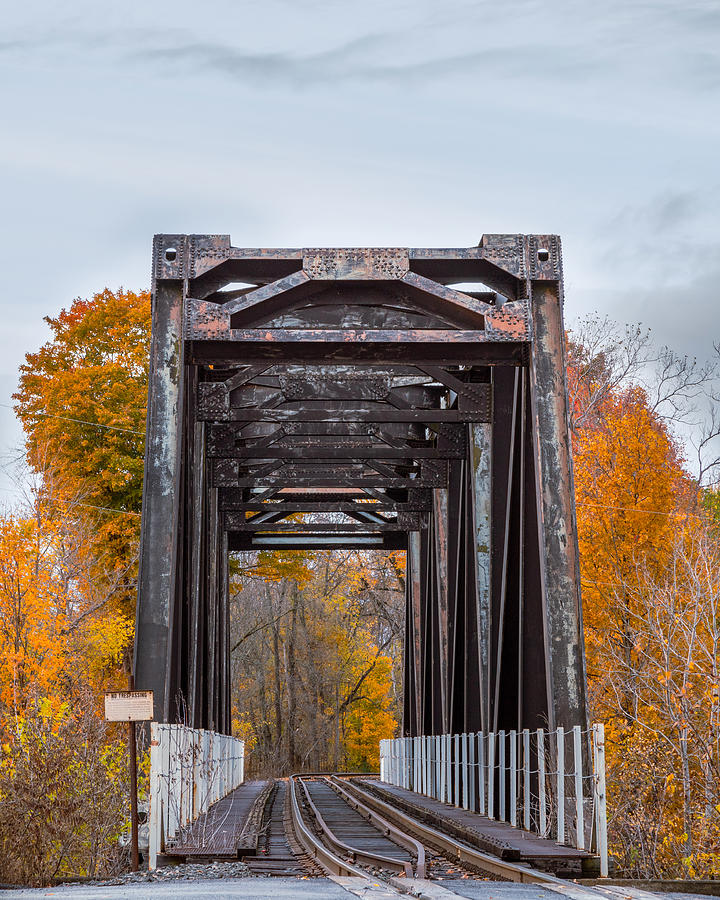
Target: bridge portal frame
(465, 456)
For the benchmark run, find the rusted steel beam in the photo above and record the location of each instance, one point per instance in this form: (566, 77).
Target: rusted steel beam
(203, 328)
(413, 500)
(481, 511)
(328, 482)
(157, 577)
(467, 351)
(413, 638)
(383, 416)
(319, 507)
(558, 532)
(328, 453)
(234, 526)
(386, 541)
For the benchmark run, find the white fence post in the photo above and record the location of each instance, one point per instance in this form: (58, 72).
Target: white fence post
(423, 765)
(491, 775)
(448, 768)
(432, 766)
(481, 771)
(513, 777)
(442, 769)
(503, 776)
(155, 817)
(456, 753)
(560, 792)
(416, 764)
(526, 779)
(473, 775)
(600, 796)
(465, 773)
(579, 812)
(541, 781)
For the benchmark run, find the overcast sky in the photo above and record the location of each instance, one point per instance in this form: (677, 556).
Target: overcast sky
(315, 123)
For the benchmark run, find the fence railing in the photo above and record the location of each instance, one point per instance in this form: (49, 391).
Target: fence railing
(190, 769)
(548, 782)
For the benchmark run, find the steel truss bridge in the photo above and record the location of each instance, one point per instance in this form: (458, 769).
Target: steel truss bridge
(391, 399)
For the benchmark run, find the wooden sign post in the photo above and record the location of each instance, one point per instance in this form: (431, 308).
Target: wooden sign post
(131, 706)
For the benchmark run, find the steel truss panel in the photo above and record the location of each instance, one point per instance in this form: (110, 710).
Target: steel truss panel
(363, 389)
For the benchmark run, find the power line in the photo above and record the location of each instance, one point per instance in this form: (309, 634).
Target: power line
(110, 509)
(637, 509)
(122, 512)
(80, 421)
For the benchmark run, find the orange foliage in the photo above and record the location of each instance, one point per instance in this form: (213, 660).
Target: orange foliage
(82, 400)
(631, 491)
(649, 605)
(57, 634)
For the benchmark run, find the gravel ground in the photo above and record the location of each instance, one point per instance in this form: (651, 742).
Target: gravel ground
(184, 872)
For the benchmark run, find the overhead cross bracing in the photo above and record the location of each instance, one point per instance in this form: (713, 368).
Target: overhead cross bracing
(392, 399)
(342, 440)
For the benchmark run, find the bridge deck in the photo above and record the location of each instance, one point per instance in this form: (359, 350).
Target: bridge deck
(486, 834)
(218, 833)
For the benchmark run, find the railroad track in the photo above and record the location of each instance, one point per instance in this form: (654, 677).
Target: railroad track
(278, 853)
(350, 832)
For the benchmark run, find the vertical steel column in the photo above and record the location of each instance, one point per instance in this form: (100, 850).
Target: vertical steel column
(161, 528)
(198, 476)
(481, 475)
(225, 717)
(212, 684)
(412, 683)
(565, 657)
(440, 550)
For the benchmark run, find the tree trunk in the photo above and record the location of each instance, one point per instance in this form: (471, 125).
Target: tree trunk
(292, 681)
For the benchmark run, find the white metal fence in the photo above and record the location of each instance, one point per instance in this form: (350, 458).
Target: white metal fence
(548, 782)
(190, 769)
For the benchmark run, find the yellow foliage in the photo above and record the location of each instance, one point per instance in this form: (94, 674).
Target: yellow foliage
(56, 636)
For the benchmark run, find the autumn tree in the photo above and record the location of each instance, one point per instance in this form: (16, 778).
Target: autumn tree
(67, 591)
(649, 596)
(63, 794)
(82, 402)
(60, 632)
(62, 770)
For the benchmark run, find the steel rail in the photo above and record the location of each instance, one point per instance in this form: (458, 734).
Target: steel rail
(356, 854)
(400, 837)
(461, 851)
(325, 858)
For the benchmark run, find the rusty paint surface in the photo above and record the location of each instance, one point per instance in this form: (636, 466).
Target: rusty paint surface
(361, 263)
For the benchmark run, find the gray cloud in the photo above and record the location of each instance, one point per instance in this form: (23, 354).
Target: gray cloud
(567, 44)
(345, 64)
(671, 233)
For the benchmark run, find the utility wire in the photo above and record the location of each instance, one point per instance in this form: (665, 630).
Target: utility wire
(110, 509)
(80, 421)
(637, 509)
